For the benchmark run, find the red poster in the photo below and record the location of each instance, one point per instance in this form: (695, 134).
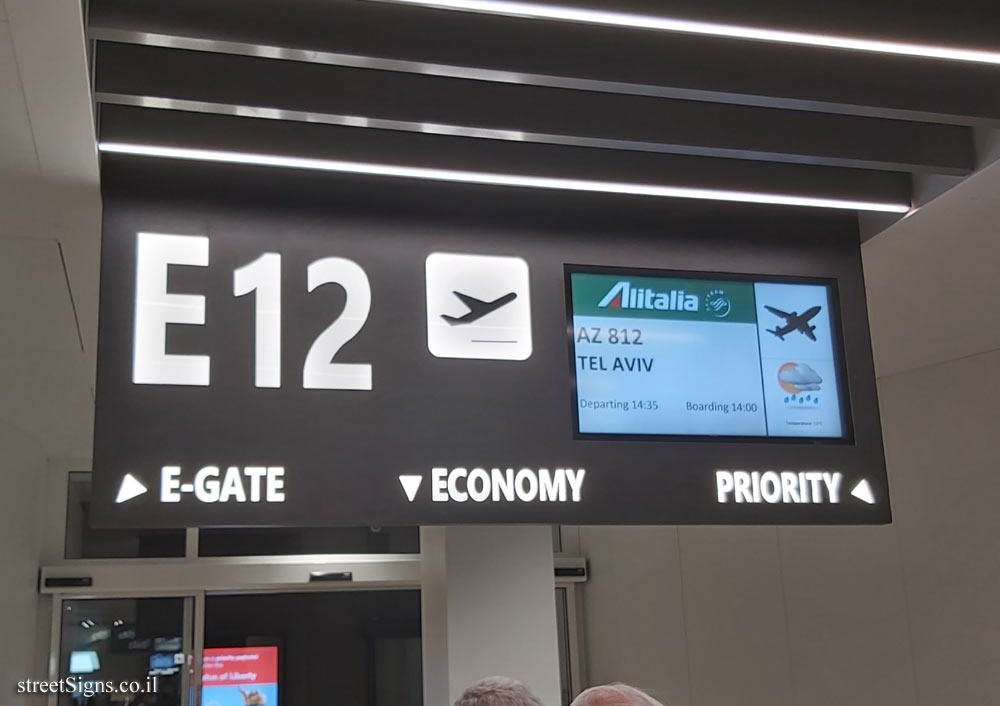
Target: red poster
(235, 676)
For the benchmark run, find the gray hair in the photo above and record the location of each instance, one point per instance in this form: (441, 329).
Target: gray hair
(614, 695)
(498, 691)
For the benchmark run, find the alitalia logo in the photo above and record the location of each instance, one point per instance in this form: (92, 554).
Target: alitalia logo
(624, 296)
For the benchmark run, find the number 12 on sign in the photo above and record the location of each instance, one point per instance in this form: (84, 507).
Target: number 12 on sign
(155, 307)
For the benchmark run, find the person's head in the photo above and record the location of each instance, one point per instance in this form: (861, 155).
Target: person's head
(498, 691)
(614, 695)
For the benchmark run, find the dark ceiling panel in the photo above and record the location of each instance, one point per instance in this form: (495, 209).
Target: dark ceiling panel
(250, 190)
(551, 114)
(296, 139)
(578, 56)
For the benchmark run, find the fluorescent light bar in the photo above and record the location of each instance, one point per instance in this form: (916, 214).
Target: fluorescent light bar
(709, 29)
(466, 177)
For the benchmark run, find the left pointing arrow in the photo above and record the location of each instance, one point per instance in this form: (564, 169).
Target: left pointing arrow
(131, 487)
(863, 491)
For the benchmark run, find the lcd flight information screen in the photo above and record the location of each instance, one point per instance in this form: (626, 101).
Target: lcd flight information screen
(689, 354)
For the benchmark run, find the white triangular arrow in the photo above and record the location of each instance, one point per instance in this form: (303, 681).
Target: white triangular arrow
(411, 484)
(131, 487)
(863, 491)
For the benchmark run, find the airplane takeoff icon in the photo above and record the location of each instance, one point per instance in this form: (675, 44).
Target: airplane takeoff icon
(794, 322)
(477, 308)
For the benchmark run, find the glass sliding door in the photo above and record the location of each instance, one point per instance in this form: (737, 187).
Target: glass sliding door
(350, 648)
(124, 651)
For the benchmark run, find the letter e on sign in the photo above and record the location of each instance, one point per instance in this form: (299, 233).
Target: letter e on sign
(155, 308)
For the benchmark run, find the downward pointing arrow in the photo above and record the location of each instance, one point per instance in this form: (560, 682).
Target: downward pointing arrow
(131, 487)
(863, 491)
(411, 484)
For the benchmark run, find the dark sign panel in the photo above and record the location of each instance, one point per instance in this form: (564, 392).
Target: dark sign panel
(262, 365)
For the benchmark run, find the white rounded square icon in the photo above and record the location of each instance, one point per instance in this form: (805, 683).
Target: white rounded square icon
(478, 306)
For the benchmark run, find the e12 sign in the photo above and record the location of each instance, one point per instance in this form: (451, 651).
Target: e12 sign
(269, 368)
(156, 308)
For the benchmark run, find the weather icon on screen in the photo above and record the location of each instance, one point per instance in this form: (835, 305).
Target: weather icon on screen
(796, 378)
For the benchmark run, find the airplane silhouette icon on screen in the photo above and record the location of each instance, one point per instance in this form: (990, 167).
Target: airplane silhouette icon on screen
(794, 322)
(477, 308)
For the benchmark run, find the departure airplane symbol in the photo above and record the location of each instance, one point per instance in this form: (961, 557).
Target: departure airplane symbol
(794, 322)
(477, 308)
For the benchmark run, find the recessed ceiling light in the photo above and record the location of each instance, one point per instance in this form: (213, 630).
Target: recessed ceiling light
(490, 179)
(710, 29)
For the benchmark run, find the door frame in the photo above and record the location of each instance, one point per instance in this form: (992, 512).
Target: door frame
(193, 611)
(195, 577)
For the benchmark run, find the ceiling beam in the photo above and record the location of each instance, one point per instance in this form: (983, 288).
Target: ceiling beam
(225, 83)
(567, 55)
(171, 128)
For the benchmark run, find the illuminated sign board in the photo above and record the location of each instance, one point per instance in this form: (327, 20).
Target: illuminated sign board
(669, 356)
(262, 366)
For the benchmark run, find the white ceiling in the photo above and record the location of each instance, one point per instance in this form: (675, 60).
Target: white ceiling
(15, 131)
(49, 226)
(932, 277)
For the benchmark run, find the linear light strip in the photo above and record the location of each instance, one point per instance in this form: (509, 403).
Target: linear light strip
(709, 29)
(468, 177)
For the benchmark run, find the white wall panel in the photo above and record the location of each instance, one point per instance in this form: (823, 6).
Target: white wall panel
(47, 395)
(489, 609)
(36, 313)
(22, 470)
(847, 621)
(941, 427)
(633, 610)
(932, 279)
(734, 604)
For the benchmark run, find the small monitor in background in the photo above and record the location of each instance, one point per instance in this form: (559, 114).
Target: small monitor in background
(163, 664)
(84, 662)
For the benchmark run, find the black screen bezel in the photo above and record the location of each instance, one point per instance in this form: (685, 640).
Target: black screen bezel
(833, 298)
